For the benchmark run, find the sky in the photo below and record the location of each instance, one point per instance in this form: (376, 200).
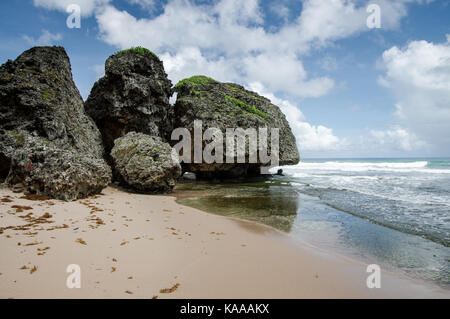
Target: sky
(347, 88)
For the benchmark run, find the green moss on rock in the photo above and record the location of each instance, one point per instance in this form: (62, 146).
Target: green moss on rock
(48, 94)
(8, 77)
(194, 81)
(18, 136)
(126, 152)
(139, 50)
(246, 107)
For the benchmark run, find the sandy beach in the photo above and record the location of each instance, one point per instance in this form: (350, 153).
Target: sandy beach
(141, 246)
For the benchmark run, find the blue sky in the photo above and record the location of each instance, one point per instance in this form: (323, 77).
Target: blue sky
(347, 90)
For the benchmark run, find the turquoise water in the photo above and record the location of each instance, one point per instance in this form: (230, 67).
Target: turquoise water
(391, 212)
(409, 195)
(395, 212)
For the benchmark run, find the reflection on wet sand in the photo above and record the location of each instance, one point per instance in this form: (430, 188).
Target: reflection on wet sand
(271, 202)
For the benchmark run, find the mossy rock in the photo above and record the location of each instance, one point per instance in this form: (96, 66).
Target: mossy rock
(194, 81)
(132, 96)
(229, 105)
(48, 94)
(246, 107)
(18, 136)
(138, 50)
(145, 163)
(43, 113)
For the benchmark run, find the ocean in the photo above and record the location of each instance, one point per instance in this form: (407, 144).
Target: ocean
(412, 196)
(391, 212)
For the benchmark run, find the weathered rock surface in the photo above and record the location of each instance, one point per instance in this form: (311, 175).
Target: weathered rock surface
(145, 163)
(42, 117)
(227, 105)
(62, 174)
(132, 96)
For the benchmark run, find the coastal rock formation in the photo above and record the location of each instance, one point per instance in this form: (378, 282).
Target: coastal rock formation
(145, 163)
(227, 105)
(62, 174)
(42, 118)
(132, 96)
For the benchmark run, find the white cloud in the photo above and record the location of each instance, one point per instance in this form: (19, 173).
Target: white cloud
(221, 27)
(228, 38)
(309, 137)
(46, 38)
(238, 12)
(189, 61)
(419, 76)
(225, 40)
(317, 138)
(281, 10)
(323, 21)
(328, 63)
(87, 6)
(284, 73)
(144, 4)
(396, 138)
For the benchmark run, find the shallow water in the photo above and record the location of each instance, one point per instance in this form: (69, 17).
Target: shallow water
(389, 212)
(270, 202)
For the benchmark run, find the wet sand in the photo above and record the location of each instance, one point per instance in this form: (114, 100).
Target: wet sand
(141, 246)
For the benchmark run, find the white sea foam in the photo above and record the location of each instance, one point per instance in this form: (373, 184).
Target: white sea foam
(401, 167)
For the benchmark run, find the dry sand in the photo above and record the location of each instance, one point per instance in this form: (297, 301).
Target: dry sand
(135, 246)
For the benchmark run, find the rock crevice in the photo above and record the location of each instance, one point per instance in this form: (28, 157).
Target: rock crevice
(133, 96)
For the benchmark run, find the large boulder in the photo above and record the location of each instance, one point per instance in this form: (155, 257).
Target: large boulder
(62, 174)
(145, 163)
(229, 106)
(41, 110)
(132, 96)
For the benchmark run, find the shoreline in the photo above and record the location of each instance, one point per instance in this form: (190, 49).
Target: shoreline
(349, 256)
(136, 246)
